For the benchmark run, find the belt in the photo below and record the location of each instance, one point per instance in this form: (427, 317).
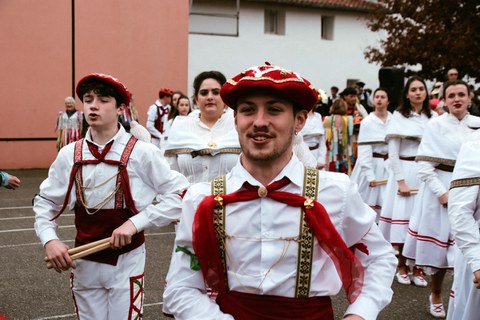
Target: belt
(407, 158)
(444, 167)
(315, 147)
(380, 155)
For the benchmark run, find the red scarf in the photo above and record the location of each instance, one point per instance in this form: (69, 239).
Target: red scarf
(348, 266)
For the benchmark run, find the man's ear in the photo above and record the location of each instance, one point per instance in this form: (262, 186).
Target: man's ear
(300, 120)
(120, 108)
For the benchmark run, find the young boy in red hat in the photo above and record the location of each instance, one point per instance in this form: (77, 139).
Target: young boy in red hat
(157, 115)
(273, 239)
(109, 179)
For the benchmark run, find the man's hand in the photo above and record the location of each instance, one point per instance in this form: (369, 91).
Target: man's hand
(403, 188)
(444, 199)
(13, 182)
(123, 235)
(353, 317)
(57, 252)
(476, 279)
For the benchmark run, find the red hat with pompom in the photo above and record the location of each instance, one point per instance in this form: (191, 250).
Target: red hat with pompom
(272, 79)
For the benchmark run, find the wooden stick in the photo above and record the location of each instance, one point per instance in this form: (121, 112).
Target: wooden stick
(86, 250)
(75, 250)
(380, 182)
(412, 191)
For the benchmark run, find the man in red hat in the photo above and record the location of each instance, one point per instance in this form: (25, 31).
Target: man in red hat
(273, 239)
(157, 115)
(109, 179)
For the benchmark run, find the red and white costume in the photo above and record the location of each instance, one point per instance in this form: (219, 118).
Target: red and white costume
(109, 283)
(464, 214)
(155, 127)
(261, 250)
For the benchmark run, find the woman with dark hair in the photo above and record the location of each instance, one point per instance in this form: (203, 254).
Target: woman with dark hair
(370, 171)
(429, 243)
(404, 134)
(205, 146)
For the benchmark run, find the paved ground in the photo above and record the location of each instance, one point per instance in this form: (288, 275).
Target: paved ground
(29, 291)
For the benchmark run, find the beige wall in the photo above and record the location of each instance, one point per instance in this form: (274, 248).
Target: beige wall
(144, 43)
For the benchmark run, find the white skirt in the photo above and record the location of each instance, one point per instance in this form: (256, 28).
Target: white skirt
(429, 241)
(396, 210)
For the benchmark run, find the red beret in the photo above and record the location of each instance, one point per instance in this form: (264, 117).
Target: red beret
(285, 84)
(165, 92)
(117, 85)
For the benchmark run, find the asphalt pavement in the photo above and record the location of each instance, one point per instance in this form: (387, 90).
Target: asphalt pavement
(28, 290)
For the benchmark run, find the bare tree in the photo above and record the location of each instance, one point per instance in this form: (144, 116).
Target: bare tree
(437, 34)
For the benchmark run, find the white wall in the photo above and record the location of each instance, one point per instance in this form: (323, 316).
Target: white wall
(323, 62)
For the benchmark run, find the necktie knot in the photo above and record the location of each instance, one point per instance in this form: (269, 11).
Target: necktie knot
(100, 156)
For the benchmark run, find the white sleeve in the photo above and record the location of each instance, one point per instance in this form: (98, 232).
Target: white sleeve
(152, 115)
(185, 294)
(462, 203)
(427, 173)
(168, 184)
(365, 155)
(394, 157)
(53, 190)
(380, 262)
(322, 150)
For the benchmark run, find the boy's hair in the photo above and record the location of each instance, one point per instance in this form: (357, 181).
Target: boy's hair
(101, 88)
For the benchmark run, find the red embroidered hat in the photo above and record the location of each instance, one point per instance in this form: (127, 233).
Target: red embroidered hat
(165, 92)
(117, 85)
(273, 79)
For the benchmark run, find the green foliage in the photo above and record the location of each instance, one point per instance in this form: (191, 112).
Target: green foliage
(437, 34)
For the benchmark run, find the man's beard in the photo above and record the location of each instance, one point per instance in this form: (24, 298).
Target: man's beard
(267, 157)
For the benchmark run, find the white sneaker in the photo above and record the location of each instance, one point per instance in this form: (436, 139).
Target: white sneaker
(403, 278)
(419, 281)
(436, 309)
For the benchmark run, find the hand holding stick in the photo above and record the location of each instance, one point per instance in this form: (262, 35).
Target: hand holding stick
(85, 250)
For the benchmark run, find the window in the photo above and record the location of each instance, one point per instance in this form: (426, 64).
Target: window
(274, 21)
(214, 17)
(327, 28)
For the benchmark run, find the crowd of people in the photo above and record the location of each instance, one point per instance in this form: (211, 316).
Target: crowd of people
(279, 198)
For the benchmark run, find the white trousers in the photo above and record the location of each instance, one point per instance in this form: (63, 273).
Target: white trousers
(105, 292)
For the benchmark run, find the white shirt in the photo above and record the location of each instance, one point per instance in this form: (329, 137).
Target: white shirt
(152, 115)
(192, 134)
(148, 172)
(464, 203)
(253, 256)
(314, 136)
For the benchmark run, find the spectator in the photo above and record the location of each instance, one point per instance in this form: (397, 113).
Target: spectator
(9, 181)
(157, 115)
(69, 124)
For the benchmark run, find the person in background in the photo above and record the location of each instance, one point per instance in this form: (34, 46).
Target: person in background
(363, 96)
(157, 115)
(9, 181)
(429, 244)
(182, 108)
(313, 134)
(128, 115)
(404, 133)
(464, 215)
(69, 124)
(204, 146)
(370, 171)
(273, 239)
(116, 178)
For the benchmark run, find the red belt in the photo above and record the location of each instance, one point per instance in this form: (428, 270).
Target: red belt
(407, 158)
(315, 147)
(380, 155)
(444, 167)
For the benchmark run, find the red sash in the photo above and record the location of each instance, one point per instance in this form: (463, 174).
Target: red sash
(244, 306)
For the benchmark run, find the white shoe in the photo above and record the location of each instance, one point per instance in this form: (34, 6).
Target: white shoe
(419, 281)
(436, 309)
(403, 278)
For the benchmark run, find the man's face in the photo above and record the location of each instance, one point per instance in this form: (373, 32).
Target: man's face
(452, 74)
(101, 112)
(350, 99)
(70, 105)
(266, 126)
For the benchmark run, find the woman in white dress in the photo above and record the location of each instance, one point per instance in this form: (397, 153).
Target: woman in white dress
(429, 242)
(370, 171)
(314, 137)
(404, 134)
(205, 146)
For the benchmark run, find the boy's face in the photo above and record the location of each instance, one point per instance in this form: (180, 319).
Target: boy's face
(101, 112)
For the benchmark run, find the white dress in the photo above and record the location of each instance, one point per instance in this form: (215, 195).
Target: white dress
(464, 214)
(404, 135)
(201, 153)
(429, 241)
(370, 165)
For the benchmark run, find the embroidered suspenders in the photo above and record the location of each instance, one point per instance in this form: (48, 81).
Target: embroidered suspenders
(306, 238)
